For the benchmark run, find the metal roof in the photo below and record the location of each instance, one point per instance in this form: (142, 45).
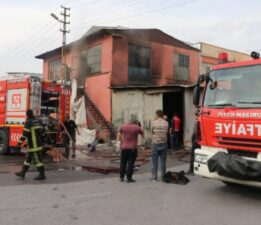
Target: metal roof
(183, 84)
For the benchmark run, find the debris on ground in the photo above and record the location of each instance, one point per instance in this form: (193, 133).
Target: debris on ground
(106, 157)
(56, 154)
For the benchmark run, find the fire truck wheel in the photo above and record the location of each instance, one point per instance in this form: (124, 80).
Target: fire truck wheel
(4, 150)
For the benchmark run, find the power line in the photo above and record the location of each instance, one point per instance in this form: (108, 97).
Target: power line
(31, 41)
(11, 48)
(144, 13)
(33, 37)
(40, 28)
(82, 12)
(63, 30)
(78, 2)
(130, 4)
(94, 2)
(28, 43)
(107, 21)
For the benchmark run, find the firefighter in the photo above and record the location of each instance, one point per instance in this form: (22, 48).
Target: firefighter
(32, 133)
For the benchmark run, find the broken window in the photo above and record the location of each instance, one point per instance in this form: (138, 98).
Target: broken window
(181, 67)
(54, 69)
(139, 63)
(91, 61)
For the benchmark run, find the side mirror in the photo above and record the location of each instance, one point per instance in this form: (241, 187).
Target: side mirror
(196, 95)
(201, 78)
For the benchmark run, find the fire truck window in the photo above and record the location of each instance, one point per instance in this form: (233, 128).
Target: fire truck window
(222, 96)
(236, 86)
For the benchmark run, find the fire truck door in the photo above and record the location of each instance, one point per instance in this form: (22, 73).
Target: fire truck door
(16, 106)
(35, 96)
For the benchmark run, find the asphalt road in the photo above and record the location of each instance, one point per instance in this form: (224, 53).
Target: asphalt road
(106, 201)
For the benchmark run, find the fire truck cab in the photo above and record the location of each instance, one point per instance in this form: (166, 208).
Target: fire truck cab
(228, 127)
(49, 100)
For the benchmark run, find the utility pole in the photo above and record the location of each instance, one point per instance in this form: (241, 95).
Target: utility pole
(65, 15)
(64, 31)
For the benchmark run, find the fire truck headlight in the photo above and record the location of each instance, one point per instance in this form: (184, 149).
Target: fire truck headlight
(201, 158)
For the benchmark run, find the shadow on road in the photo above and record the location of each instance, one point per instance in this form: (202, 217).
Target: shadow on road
(241, 191)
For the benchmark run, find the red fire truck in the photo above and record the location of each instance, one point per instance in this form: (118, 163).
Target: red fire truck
(228, 127)
(49, 100)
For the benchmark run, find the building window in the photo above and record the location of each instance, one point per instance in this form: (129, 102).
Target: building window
(181, 67)
(54, 69)
(139, 64)
(91, 61)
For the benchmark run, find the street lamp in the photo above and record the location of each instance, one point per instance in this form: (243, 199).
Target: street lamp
(54, 16)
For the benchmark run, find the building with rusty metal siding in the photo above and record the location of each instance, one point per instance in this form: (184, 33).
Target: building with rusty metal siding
(126, 71)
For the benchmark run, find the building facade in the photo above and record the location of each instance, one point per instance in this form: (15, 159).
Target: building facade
(131, 71)
(209, 56)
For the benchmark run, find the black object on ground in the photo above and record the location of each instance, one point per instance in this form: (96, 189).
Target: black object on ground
(234, 166)
(175, 177)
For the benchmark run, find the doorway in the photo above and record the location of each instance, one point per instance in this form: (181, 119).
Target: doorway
(173, 102)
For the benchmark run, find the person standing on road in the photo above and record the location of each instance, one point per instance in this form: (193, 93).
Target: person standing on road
(128, 136)
(32, 134)
(160, 129)
(175, 131)
(70, 136)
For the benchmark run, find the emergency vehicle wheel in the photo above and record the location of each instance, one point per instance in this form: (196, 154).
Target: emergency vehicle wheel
(4, 149)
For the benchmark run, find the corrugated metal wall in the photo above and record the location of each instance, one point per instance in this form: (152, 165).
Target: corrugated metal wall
(125, 103)
(152, 102)
(144, 105)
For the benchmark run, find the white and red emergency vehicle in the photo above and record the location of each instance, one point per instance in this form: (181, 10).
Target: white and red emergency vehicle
(228, 127)
(46, 98)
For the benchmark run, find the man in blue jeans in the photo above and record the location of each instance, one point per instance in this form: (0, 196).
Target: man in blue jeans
(160, 129)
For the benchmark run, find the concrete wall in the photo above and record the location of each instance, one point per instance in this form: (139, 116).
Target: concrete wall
(212, 51)
(209, 56)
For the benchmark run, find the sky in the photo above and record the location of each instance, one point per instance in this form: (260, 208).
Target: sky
(27, 29)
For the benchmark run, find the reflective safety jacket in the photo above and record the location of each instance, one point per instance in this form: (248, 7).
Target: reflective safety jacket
(32, 133)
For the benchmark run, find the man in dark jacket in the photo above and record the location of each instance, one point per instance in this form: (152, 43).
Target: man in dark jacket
(70, 136)
(32, 134)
